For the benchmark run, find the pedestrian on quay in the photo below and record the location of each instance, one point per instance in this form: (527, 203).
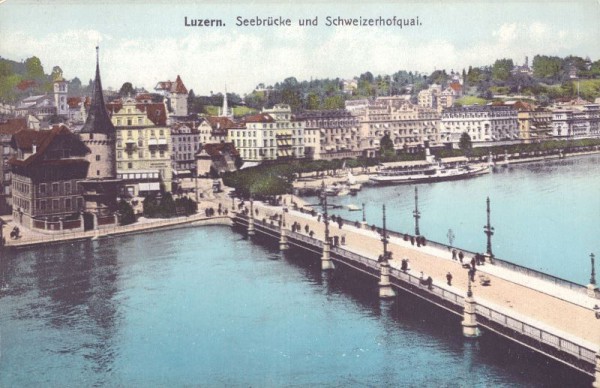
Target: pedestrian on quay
(412, 240)
(461, 256)
(454, 254)
(473, 262)
(449, 278)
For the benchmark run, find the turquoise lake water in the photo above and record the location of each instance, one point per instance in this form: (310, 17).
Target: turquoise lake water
(546, 215)
(206, 307)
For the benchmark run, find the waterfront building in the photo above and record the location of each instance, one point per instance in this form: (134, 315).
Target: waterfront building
(331, 134)
(577, 123)
(47, 169)
(7, 129)
(176, 95)
(218, 157)
(535, 124)
(185, 142)
(257, 140)
(143, 146)
(101, 185)
(485, 124)
(409, 126)
(289, 132)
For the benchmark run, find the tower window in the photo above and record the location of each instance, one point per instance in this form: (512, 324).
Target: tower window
(97, 158)
(98, 172)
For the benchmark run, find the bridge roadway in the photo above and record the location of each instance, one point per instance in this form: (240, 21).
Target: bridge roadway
(526, 302)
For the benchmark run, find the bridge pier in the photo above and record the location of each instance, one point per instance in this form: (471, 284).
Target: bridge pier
(385, 287)
(469, 323)
(283, 241)
(326, 262)
(251, 231)
(596, 383)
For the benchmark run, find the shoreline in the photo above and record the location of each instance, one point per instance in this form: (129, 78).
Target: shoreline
(136, 228)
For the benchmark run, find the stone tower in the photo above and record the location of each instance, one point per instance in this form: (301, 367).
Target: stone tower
(179, 96)
(98, 133)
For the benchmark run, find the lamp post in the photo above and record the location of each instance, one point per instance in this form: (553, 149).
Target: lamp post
(469, 290)
(326, 262)
(451, 237)
(384, 238)
(364, 219)
(325, 213)
(593, 276)
(489, 231)
(416, 212)
(385, 287)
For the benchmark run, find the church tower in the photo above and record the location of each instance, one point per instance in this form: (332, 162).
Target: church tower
(60, 95)
(101, 187)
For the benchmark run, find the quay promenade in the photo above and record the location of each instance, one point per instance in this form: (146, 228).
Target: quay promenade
(557, 321)
(32, 239)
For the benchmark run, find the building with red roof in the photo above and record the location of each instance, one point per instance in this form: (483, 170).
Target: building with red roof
(176, 95)
(144, 145)
(47, 169)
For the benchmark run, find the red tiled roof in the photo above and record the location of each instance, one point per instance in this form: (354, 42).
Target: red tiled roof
(26, 84)
(217, 149)
(26, 138)
(220, 122)
(259, 118)
(74, 102)
(156, 112)
(12, 126)
(456, 86)
(143, 96)
(179, 87)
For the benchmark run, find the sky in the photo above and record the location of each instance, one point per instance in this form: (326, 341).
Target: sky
(144, 42)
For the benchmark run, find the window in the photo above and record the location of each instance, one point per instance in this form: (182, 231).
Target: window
(42, 188)
(130, 165)
(97, 158)
(55, 188)
(67, 188)
(68, 203)
(55, 204)
(98, 172)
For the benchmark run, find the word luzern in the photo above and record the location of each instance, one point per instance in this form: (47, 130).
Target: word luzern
(203, 22)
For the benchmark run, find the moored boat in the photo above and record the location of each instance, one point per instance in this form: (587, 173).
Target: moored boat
(427, 173)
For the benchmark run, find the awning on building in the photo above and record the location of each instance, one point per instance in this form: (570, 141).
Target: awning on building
(150, 186)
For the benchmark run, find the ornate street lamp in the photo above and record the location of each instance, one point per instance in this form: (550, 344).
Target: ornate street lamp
(416, 212)
(489, 231)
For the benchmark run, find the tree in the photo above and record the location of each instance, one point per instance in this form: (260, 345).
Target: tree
(57, 73)
(34, 68)
(190, 101)
(386, 147)
(126, 213)
(126, 90)
(465, 142)
(501, 69)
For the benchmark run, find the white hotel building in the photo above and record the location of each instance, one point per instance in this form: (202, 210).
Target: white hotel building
(484, 124)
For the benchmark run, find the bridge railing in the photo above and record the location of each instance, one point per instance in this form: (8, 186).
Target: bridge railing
(448, 295)
(498, 262)
(540, 335)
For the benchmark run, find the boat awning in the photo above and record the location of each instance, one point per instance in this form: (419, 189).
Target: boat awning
(408, 163)
(455, 159)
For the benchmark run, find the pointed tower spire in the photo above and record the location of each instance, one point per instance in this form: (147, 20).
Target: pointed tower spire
(97, 120)
(225, 109)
